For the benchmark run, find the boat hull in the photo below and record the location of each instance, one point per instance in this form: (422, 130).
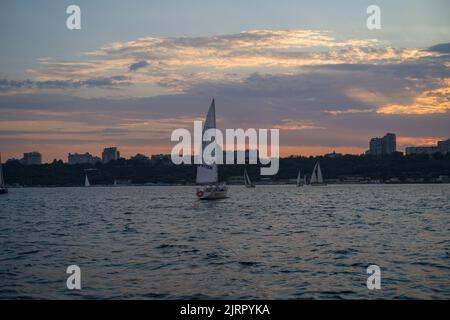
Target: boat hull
(212, 193)
(3, 190)
(317, 184)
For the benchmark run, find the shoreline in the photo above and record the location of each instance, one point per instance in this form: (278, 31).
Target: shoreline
(233, 185)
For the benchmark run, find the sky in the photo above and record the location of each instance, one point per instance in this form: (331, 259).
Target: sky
(137, 70)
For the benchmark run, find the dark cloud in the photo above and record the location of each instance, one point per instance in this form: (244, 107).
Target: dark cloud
(138, 65)
(64, 84)
(441, 48)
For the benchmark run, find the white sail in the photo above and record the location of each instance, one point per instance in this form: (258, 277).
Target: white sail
(314, 175)
(86, 181)
(247, 180)
(208, 173)
(298, 179)
(319, 174)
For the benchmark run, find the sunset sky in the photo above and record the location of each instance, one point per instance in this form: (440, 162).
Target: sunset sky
(139, 69)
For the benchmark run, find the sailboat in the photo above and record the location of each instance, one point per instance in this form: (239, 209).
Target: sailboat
(86, 181)
(316, 176)
(300, 181)
(247, 181)
(3, 188)
(208, 175)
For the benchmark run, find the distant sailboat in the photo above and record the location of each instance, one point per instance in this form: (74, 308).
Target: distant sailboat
(316, 176)
(86, 181)
(247, 181)
(3, 188)
(300, 181)
(208, 175)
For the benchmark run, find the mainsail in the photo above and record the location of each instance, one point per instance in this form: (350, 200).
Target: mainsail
(319, 174)
(314, 175)
(208, 174)
(86, 181)
(298, 179)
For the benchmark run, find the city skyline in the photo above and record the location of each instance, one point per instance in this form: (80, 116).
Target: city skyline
(313, 71)
(440, 146)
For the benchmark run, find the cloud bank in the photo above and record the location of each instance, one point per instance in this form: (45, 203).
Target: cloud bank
(322, 92)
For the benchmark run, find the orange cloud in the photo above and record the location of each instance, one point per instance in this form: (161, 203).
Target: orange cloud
(173, 64)
(418, 141)
(429, 102)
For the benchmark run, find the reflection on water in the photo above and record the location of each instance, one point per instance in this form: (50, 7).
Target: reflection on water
(271, 242)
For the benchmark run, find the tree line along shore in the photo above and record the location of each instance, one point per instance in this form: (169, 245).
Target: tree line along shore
(395, 168)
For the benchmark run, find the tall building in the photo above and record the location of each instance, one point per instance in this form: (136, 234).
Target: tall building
(376, 146)
(385, 145)
(77, 158)
(389, 143)
(110, 154)
(30, 158)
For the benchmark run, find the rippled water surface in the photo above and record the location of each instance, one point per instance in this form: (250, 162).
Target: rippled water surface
(271, 242)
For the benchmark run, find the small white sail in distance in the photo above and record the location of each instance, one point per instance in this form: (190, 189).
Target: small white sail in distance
(319, 174)
(86, 181)
(208, 174)
(298, 179)
(314, 175)
(248, 182)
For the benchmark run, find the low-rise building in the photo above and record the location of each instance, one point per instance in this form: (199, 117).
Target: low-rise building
(429, 150)
(165, 159)
(140, 157)
(333, 155)
(77, 158)
(441, 147)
